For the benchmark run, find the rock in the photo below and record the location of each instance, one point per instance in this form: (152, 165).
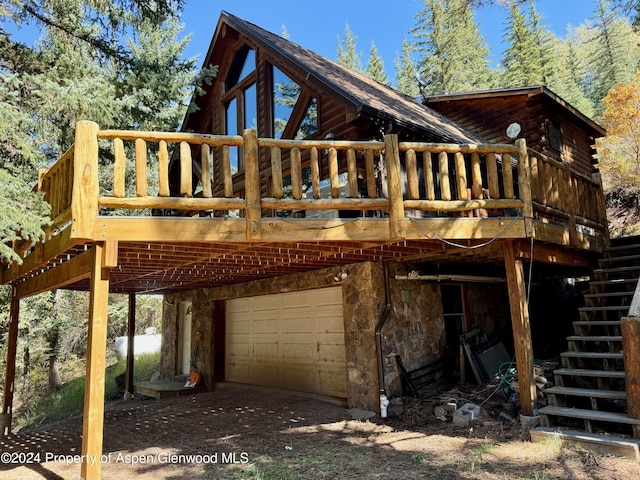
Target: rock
(360, 414)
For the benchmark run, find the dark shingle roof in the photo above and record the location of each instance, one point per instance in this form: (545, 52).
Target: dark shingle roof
(369, 97)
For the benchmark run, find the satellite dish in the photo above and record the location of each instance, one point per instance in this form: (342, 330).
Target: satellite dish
(421, 80)
(513, 130)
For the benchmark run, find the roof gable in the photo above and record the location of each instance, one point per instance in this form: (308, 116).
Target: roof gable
(368, 97)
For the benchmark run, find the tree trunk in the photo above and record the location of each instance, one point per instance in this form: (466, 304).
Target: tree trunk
(55, 383)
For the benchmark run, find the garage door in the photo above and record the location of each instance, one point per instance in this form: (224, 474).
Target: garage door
(290, 340)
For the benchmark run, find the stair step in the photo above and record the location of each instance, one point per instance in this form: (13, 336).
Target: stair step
(583, 372)
(602, 355)
(596, 415)
(622, 258)
(628, 293)
(604, 444)
(600, 323)
(613, 308)
(594, 338)
(587, 392)
(631, 268)
(614, 282)
(620, 247)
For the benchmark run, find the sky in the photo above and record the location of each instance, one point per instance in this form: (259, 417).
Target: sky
(317, 25)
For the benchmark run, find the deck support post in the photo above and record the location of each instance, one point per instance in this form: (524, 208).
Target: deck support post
(10, 372)
(131, 333)
(93, 418)
(397, 228)
(521, 328)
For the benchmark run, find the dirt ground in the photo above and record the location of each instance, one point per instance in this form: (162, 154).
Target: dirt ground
(246, 433)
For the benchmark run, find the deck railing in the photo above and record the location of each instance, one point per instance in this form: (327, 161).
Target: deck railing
(394, 179)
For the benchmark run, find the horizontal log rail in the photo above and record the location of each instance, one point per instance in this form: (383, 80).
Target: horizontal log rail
(388, 177)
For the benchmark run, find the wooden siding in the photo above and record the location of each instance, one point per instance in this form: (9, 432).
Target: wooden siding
(490, 117)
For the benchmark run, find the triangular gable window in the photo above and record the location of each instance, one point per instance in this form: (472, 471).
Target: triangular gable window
(295, 112)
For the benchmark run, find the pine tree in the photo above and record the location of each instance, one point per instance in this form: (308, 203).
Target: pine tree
(453, 54)
(406, 81)
(348, 54)
(375, 67)
(529, 58)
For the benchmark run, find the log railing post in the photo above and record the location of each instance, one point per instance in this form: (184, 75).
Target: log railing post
(630, 329)
(397, 227)
(524, 184)
(85, 191)
(10, 372)
(253, 211)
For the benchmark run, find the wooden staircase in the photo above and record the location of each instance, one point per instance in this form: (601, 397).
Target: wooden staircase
(589, 390)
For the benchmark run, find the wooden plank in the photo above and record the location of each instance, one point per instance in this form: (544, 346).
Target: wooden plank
(411, 169)
(71, 271)
(10, 368)
(495, 148)
(276, 173)
(119, 168)
(141, 167)
(84, 207)
(630, 327)
(352, 174)
(186, 180)
(523, 343)
(163, 169)
(205, 168)
(606, 445)
(327, 204)
(465, 228)
(593, 415)
(586, 392)
(93, 413)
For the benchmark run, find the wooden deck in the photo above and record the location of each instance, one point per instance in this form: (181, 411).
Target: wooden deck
(408, 200)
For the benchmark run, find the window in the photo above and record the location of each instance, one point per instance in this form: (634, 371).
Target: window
(555, 136)
(240, 100)
(295, 113)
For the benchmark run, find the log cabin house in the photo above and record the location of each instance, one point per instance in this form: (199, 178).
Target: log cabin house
(312, 224)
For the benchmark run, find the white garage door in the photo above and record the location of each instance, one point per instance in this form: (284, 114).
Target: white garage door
(289, 340)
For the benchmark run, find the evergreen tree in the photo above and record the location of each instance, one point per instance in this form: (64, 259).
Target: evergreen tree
(614, 52)
(375, 67)
(530, 56)
(406, 81)
(348, 54)
(453, 54)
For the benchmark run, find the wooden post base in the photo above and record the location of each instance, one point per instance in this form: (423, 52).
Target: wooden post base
(5, 424)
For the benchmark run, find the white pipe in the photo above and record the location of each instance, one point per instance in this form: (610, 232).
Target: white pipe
(454, 278)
